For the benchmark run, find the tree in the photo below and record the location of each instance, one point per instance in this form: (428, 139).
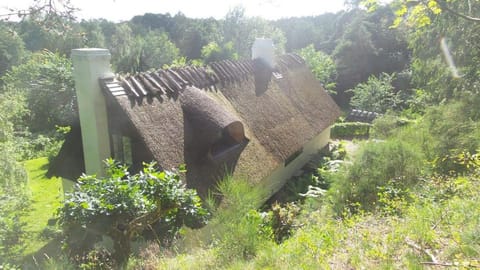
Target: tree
(11, 49)
(322, 66)
(52, 15)
(213, 52)
(445, 54)
(46, 82)
(123, 206)
(368, 47)
(132, 53)
(242, 31)
(376, 95)
(13, 179)
(157, 50)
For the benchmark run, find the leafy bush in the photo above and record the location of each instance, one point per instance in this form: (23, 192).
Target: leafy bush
(46, 82)
(376, 166)
(282, 219)
(376, 95)
(213, 52)
(322, 66)
(386, 125)
(350, 130)
(454, 130)
(13, 200)
(123, 206)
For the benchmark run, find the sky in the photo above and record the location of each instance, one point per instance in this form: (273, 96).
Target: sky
(122, 10)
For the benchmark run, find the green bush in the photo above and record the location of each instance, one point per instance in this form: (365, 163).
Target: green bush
(386, 125)
(123, 206)
(376, 166)
(376, 95)
(282, 219)
(454, 130)
(237, 230)
(350, 129)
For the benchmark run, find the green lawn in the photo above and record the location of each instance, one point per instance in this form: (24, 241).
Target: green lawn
(46, 196)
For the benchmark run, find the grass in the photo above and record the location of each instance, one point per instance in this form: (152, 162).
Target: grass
(46, 197)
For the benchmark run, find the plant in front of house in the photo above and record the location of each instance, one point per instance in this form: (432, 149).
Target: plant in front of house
(123, 206)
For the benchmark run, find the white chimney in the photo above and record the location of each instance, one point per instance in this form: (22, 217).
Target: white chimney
(263, 48)
(89, 65)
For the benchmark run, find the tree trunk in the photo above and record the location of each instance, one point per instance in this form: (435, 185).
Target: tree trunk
(122, 247)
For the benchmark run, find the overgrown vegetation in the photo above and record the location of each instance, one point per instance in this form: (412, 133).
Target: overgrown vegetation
(406, 199)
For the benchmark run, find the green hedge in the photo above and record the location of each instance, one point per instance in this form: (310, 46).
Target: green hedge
(350, 129)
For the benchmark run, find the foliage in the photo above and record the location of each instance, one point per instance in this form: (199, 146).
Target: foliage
(12, 110)
(454, 129)
(13, 200)
(387, 125)
(242, 31)
(237, 230)
(447, 69)
(322, 66)
(141, 53)
(378, 166)
(13, 180)
(213, 52)
(11, 49)
(350, 130)
(282, 219)
(53, 15)
(123, 206)
(37, 145)
(46, 81)
(376, 95)
(157, 50)
(367, 46)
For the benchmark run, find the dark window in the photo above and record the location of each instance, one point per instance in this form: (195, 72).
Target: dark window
(122, 149)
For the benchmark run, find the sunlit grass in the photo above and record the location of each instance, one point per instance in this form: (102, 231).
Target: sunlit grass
(46, 196)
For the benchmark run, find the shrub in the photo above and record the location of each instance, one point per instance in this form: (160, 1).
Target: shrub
(454, 130)
(282, 220)
(237, 229)
(123, 206)
(376, 166)
(376, 95)
(386, 125)
(350, 129)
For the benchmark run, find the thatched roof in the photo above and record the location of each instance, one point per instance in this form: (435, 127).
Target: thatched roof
(237, 116)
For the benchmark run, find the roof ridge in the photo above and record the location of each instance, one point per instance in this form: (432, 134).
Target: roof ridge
(172, 81)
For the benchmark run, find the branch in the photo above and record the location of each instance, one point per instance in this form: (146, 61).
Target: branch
(444, 6)
(438, 264)
(425, 251)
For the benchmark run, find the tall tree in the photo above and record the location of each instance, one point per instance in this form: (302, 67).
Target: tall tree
(11, 49)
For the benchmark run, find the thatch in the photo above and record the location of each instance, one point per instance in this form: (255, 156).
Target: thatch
(226, 117)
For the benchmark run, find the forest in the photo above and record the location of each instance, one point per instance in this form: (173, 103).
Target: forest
(400, 192)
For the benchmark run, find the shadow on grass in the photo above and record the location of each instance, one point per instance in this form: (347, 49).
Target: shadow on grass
(51, 250)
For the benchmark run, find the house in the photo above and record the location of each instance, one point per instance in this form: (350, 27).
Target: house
(259, 119)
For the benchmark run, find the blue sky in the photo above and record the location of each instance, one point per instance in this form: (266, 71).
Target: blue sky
(118, 10)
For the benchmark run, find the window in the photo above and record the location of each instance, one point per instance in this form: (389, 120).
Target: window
(122, 149)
